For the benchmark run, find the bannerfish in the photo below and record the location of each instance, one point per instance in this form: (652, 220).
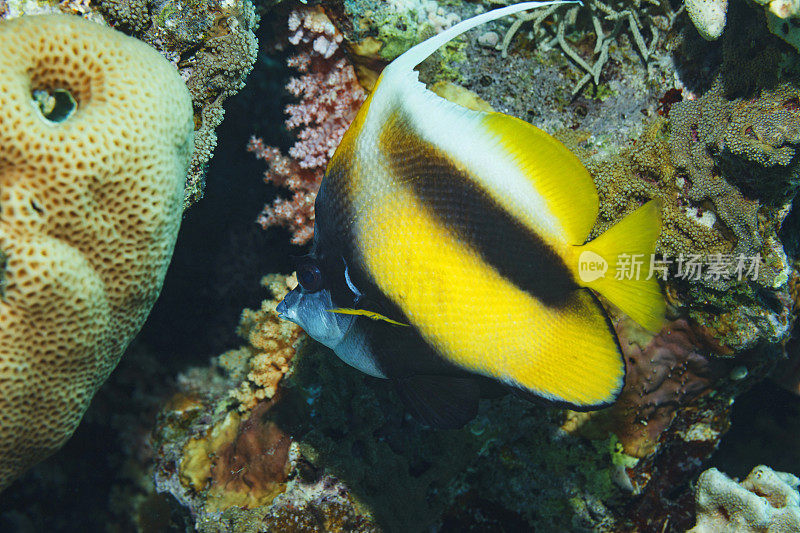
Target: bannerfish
(450, 252)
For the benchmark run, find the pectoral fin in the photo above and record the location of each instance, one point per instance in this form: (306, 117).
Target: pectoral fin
(369, 314)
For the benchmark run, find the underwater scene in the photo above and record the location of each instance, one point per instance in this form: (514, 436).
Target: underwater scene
(399, 266)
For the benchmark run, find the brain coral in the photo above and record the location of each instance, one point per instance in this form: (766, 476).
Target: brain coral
(96, 130)
(765, 501)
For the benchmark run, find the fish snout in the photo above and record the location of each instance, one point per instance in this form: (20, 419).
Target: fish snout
(286, 308)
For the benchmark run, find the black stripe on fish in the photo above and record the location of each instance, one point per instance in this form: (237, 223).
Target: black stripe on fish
(333, 238)
(400, 352)
(474, 217)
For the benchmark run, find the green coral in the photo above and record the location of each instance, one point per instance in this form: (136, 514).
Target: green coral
(724, 170)
(600, 92)
(214, 47)
(450, 55)
(398, 32)
(643, 171)
(618, 456)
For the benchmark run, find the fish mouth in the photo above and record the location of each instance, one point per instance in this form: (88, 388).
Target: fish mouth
(282, 309)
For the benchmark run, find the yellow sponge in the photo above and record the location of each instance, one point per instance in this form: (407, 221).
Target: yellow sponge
(96, 134)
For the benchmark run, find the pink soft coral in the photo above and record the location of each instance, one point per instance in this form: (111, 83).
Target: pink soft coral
(330, 97)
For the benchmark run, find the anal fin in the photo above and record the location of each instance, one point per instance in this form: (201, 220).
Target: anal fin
(442, 402)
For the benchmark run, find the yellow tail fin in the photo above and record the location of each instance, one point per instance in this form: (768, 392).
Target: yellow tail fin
(617, 264)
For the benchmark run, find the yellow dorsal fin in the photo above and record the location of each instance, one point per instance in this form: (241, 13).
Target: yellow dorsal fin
(557, 173)
(632, 240)
(364, 312)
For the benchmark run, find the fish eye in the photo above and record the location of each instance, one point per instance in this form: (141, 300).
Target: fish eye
(309, 276)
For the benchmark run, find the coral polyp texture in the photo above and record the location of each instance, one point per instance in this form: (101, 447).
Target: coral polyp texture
(765, 501)
(96, 129)
(271, 345)
(330, 97)
(212, 44)
(708, 16)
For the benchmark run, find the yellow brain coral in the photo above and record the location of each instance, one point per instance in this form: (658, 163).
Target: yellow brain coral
(96, 135)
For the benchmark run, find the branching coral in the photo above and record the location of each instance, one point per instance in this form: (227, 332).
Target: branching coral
(271, 346)
(724, 170)
(645, 170)
(619, 16)
(329, 96)
(750, 142)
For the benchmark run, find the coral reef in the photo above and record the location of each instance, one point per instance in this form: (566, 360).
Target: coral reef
(721, 281)
(723, 165)
(391, 28)
(751, 143)
(619, 15)
(97, 130)
(347, 434)
(665, 374)
(330, 96)
(272, 343)
(708, 16)
(244, 463)
(350, 435)
(279, 435)
(765, 501)
(388, 31)
(210, 43)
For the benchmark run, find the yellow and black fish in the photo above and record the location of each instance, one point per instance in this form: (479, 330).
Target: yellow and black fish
(448, 249)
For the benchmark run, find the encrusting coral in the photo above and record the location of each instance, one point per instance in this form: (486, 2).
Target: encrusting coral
(238, 462)
(96, 129)
(212, 45)
(766, 501)
(330, 97)
(665, 373)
